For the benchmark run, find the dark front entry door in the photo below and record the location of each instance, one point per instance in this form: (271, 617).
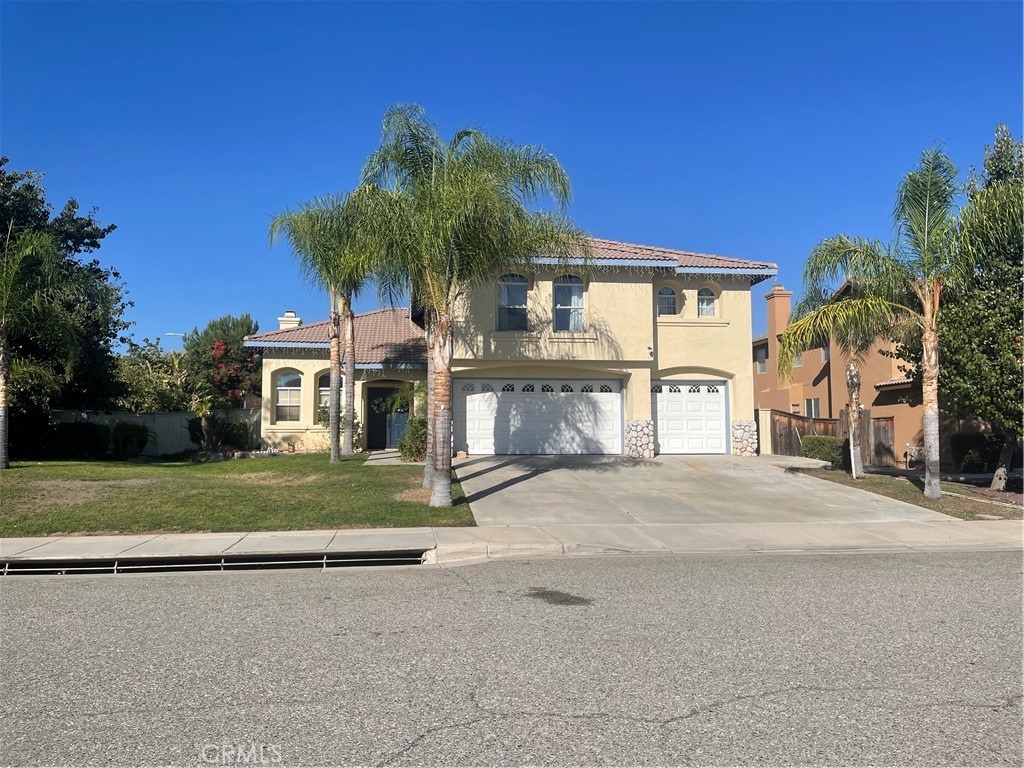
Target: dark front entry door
(383, 428)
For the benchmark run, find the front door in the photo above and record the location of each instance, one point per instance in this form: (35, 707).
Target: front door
(384, 429)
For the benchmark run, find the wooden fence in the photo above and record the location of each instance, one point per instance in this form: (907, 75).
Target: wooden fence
(788, 429)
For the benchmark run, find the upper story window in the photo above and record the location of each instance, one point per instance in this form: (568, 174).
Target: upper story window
(825, 354)
(798, 360)
(761, 355)
(705, 303)
(323, 390)
(288, 394)
(666, 301)
(568, 303)
(512, 303)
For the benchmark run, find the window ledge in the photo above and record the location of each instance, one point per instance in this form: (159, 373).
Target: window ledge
(564, 337)
(514, 336)
(715, 322)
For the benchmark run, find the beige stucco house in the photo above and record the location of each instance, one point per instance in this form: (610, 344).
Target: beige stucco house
(645, 350)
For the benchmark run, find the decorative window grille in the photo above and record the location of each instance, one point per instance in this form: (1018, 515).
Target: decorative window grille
(567, 388)
(527, 388)
(508, 388)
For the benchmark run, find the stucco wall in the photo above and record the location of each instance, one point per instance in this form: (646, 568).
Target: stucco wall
(307, 434)
(623, 338)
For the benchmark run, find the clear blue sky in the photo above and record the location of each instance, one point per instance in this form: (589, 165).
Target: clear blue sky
(747, 130)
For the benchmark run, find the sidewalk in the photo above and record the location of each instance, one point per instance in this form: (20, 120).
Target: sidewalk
(452, 546)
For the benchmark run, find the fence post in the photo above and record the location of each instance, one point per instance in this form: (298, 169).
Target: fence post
(764, 431)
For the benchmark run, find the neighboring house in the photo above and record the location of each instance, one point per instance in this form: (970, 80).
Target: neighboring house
(817, 385)
(644, 351)
(390, 350)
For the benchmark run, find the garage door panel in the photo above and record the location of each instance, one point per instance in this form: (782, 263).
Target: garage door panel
(538, 416)
(689, 418)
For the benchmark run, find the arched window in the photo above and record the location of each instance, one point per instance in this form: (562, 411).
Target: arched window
(705, 303)
(568, 303)
(666, 301)
(288, 394)
(323, 390)
(512, 303)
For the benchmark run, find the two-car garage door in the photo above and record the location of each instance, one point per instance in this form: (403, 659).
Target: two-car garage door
(573, 416)
(689, 416)
(522, 416)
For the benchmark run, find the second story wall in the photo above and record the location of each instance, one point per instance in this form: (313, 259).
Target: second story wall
(613, 322)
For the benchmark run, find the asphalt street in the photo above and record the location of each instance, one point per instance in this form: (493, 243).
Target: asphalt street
(843, 659)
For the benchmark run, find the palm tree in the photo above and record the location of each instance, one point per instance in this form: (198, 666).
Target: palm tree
(856, 345)
(445, 216)
(321, 235)
(29, 303)
(896, 289)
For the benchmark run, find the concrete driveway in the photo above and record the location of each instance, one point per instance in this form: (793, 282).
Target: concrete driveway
(614, 490)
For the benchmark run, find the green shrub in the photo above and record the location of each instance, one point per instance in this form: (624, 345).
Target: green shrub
(239, 436)
(413, 445)
(976, 451)
(79, 440)
(834, 450)
(211, 436)
(128, 440)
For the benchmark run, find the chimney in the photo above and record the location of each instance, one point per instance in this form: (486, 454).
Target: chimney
(778, 300)
(290, 320)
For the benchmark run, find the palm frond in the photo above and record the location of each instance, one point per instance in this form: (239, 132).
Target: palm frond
(924, 214)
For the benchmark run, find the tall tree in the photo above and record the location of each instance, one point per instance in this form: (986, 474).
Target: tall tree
(152, 379)
(58, 310)
(446, 216)
(321, 234)
(28, 289)
(980, 327)
(896, 286)
(219, 370)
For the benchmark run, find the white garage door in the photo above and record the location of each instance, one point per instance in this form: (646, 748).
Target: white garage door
(517, 416)
(689, 417)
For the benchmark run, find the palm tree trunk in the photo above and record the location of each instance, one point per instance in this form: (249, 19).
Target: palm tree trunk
(930, 403)
(350, 374)
(5, 375)
(442, 409)
(334, 404)
(1005, 457)
(853, 388)
(428, 464)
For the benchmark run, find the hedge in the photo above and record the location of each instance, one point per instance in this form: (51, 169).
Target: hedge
(128, 440)
(413, 445)
(79, 440)
(976, 451)
(834, 450)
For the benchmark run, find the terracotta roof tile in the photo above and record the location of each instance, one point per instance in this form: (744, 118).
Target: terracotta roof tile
(384, 336)
(899, 381)
(610, 249)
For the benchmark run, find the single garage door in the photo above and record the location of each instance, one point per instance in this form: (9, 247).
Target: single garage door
(689, 417)
(519, 416)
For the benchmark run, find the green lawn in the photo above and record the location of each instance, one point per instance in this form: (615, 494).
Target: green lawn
(280, 493)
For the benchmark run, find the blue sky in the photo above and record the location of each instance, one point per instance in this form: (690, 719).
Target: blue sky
(750, 130)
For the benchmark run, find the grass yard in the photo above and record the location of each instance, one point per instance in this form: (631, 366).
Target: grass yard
(270, 494)
(968, 504)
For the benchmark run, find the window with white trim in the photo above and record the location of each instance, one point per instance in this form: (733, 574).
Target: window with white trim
(705, 303)
(812, 408)
(568, 304)
(512, 291)
(798, 360)
(287, 396)
(323, 390)
(666, 301)
(761, 355)
(825, 354)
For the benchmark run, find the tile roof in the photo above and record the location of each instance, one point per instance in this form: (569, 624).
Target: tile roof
(610, 249)
(899, 381)
(385, 337)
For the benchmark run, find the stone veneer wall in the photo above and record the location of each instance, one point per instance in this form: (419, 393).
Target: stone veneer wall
(640, 439)
(744, 438)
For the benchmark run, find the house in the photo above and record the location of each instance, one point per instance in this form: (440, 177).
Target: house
(644, 350)
(817, 386)
(390, 350)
